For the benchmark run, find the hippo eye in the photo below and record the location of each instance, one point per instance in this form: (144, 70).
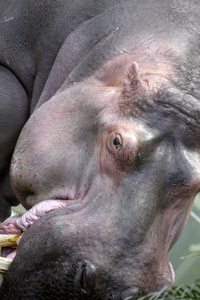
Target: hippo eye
(116, 143)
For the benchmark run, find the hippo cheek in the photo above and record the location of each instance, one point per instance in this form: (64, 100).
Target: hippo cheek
(54, 155)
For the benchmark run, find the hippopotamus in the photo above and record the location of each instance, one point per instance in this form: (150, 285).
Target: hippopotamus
(100, 142)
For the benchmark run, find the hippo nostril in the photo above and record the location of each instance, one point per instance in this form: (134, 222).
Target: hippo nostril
(83, 280)
(86, 276)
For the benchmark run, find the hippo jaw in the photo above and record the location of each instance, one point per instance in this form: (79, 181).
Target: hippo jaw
(80, 274)
(85, 269)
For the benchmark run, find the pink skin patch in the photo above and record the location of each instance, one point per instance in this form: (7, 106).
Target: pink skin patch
(20, 223)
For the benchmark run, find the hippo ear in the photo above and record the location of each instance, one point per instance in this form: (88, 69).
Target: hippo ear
(131, 80)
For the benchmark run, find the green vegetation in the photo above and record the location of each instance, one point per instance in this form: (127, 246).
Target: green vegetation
(181, 292)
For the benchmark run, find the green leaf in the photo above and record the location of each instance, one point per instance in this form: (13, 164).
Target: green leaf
(189, 292)
(194, 248)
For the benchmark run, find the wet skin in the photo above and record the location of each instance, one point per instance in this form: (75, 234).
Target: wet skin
(120, 145)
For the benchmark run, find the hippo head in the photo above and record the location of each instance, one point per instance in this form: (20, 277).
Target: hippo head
(123, 155)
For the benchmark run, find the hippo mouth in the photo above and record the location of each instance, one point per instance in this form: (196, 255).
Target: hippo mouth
(12, 229)
(84, 270)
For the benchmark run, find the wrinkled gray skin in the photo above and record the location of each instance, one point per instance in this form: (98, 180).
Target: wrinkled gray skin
(70, 65)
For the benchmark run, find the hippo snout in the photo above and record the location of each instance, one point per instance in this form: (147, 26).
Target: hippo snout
(62, 280)
(59, 280)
